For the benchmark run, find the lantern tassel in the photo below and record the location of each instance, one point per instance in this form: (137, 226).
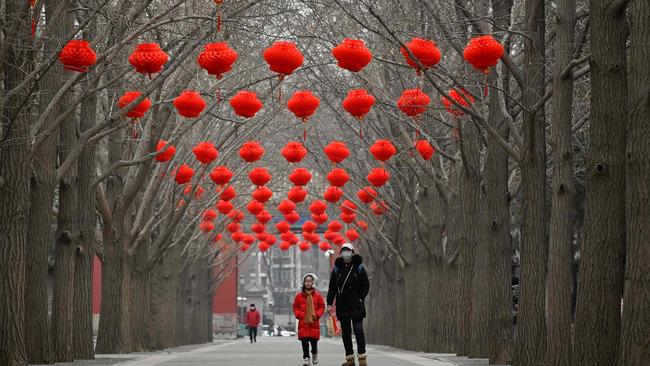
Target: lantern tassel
(304, 132)
(219, 22)
(218, 95)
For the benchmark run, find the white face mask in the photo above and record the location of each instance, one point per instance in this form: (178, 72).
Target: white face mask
(346, 254)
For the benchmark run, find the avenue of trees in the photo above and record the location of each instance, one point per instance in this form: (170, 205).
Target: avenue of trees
(547, 168)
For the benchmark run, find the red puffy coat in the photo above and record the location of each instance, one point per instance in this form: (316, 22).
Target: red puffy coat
(252, 318)
(306, 330)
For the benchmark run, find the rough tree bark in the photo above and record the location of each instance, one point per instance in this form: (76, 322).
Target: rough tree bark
(600, 276)
(530, 347)
(559, 342)
(635, 333)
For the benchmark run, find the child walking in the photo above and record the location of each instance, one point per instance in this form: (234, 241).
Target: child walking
(308, 307)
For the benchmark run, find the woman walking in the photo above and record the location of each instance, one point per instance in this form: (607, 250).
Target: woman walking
(308, 307)
(349, 286)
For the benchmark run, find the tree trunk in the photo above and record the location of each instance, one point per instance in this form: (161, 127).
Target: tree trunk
(530, 348)
(559, 345)
(600, 278)
(162, 302)
(635, 334)
(14, 185)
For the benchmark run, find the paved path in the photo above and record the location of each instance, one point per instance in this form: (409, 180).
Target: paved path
(283, 352)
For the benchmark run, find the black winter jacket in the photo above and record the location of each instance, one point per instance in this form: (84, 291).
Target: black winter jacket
(349, 294)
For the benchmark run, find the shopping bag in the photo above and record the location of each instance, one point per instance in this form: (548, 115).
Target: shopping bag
(333, 326)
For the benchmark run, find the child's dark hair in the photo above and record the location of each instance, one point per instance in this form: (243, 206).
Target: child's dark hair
(303, 282)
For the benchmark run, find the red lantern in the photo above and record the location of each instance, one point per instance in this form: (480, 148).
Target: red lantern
(199, 192)
(378, 177)
(338, 177)
(348, 218)
(251, 151)
(184, 174)
(206, 226)
(314, 238)
(300, 176)
(336, 151)
(348, 207)
(283, 58)
(425, 149)
(317, 207)
(352, 235)
(334, 226)
(217, 238)
(205, 152)
(284, 246)
(259, 176)
(233, 227)
(224, 207)
(270, 239)
(263, 217)
(282, 227)
(287, 236)
(228, 193)
(460, 99)
(294, 152)
(309, 226)
(367, 194)
(189, 104)
(77, 55)
(221, 175)
(237, 236)
(329, 235)
(258, 228)
(332, 194)
(292, 217)
(244, 248)
(245, 104)
(139, 109)
(320, 218)
(255, 207)
(262, 237)
(248, 239)
(358, 103)
(217, 58)
(209, 215)
(483, 52)
(236, 216)
(324, 246)
(303, 104)
(304, 246)
(413, 102)
(167, 154)
(148, 58)
(352, 55)
(338, 239)
(425, 51)
(363, 225)
(286, 207)
(379, 208)
(264, 247)
(297, 194)
(382, 150)
(262, 194)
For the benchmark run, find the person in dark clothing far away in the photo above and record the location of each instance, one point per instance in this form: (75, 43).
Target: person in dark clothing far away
(252, 322)
(349, 286)
(308, 307)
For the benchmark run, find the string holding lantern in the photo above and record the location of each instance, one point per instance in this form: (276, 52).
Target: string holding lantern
(205, 152)
(221, 175)
(283, 58)
(300, 177)
(262, 194)
(463, 98)
(425, 52)
(184, 174)
(148, 58)
(425, 149)
(383, 150)
(297, 194)
(218, 3)
(352, 54)
(294, 152)
(303, 104)
(483, 52)
(189, 104)
(259, 176)
(164, 151)
(367, 194)
(336, 151)
(338, 177)
(251, 151)
(245, 104)
(137, 110)
(378, 177)
(217, 58)
(332, 194)
(77, 55)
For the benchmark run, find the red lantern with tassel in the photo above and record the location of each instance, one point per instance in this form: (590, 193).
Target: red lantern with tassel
(77, 56)
(358, 103)
(245, 104)
(465, 100)
(139, 109)
(367, 194)
(286, 206)
(168, 152)
(292, 217)
(206, 226)
(189, 104)
(413, 102)
(317, 207)
(233, 227)
(320, 218)
(352, 54)
(254, 207)
(425, 149)
(334, 226)
(379, 208)
(258, 228)
(148, 58)
(294, 152)
(300, 177)
(210, 215)
(205, 152)
(348, 218)
(378, 177)
(284, 246)
(309, 226)
(282, 227)
(332, 194)
(363, 225)
(263, 217)
(262, 194)
(304, 246)
(483, 52)
(221, 175)
(336, 151)
(352, 235)
(228, 194)
(283, 58)
(251, 151)
(425, 52)
(324, 246)
(184, 174)
(224, 207)
(338, 177)
(297, 194)
(303, 104)
(217, 58)
(259, 176)
(348, 207)
(383, 150)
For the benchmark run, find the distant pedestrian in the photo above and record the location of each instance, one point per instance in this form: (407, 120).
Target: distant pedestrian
(349, 286)
(253, 319)
(308, 307)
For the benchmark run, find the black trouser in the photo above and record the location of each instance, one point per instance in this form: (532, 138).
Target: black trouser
(252, 332)
(305, 346)
(347, 327)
